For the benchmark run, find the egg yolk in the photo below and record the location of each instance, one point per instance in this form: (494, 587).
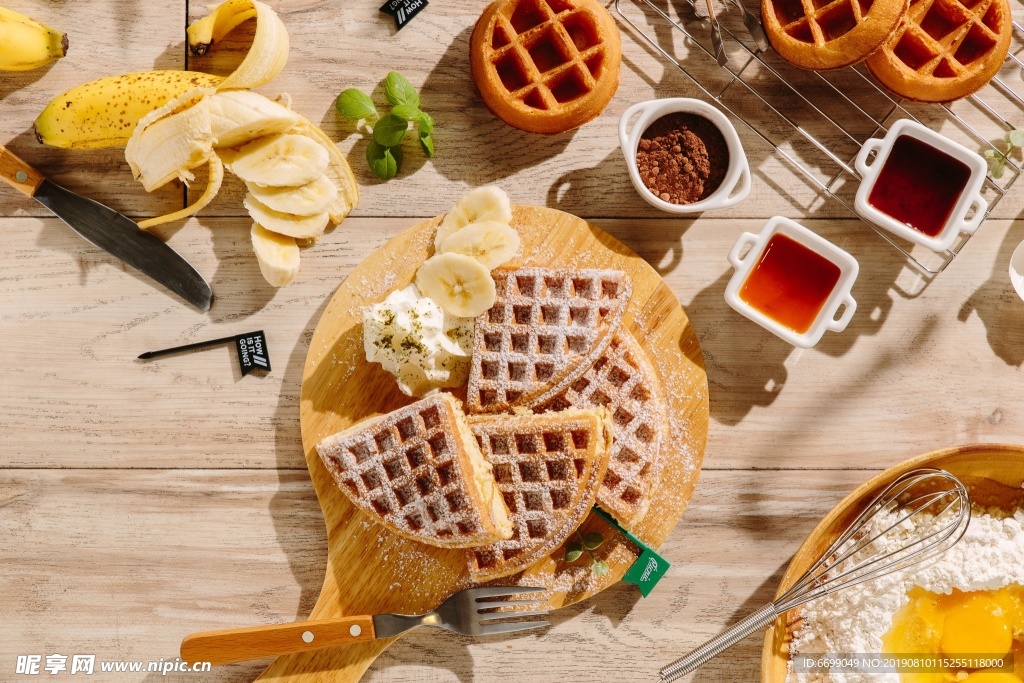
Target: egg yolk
(978, 624)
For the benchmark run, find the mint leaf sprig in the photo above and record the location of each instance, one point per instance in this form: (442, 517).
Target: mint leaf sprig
(997, 158)
(384, 153)
(588, 543)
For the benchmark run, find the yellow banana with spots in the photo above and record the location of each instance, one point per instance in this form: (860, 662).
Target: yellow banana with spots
(26, 44)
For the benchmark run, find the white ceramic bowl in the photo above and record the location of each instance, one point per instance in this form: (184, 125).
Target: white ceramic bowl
(839, 297)
(1017, 270)
(970, 197)
(738, 173)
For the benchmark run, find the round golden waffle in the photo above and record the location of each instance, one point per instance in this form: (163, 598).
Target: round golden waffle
(545, 66)
(829, 34)
(944, 49)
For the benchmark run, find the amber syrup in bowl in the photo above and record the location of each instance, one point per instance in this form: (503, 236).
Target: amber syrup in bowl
(790, 283)
(919, 185)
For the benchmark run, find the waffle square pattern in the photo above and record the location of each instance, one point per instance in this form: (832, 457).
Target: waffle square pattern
(623, 381)
(548, 468)
(945, 49)
(546, 328)
(545, 66)
(418, 471)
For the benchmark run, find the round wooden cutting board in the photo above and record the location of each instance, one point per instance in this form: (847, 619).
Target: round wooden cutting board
(371, 570)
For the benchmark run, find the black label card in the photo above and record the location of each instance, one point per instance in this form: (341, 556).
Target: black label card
(252, 352)
(403, 10)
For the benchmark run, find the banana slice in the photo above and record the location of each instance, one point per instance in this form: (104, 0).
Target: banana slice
(299, 227)
(459, 284)
(278, 255)
(240, 116)
(488, 203)
(280, 160)
(489, 242)
(304, 200)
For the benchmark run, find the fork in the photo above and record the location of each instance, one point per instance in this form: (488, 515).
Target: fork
(462, 612)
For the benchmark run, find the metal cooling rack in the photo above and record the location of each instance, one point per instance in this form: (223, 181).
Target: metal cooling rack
(824, 148)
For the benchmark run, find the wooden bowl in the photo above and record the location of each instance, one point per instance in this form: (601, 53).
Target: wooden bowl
(993, 473)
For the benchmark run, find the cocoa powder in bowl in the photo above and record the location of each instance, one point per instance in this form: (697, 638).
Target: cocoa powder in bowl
(682, 158)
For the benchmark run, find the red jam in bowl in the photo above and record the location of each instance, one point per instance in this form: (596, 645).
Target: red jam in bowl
(790, 283)
(919, 185)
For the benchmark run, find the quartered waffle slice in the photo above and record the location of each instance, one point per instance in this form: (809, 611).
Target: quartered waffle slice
(944, 49)
(623, 381)
(545, 66)
(549, 468)
(829, 34)
(418, 470)
(545, 329)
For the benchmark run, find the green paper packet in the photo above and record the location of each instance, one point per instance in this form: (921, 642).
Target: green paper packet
(648, 568)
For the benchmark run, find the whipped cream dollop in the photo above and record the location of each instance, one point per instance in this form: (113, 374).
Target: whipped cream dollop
(415, 340)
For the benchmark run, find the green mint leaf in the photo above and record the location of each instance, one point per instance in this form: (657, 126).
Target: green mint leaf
(383, 161)
(599, 568)
(406, 111)
(355, 104)
(997, 168)
(400, 91)
(593, 540)
(426, 124)
(389, 130)
(1015, 138)
(991, 153)
(573, 551)
(427, 143)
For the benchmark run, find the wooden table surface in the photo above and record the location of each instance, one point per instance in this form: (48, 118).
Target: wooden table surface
(143, 501)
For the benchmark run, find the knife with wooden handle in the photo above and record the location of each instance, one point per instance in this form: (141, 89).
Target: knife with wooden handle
(110, 231)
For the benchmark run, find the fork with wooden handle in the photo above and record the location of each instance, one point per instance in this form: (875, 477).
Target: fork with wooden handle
(462, 612)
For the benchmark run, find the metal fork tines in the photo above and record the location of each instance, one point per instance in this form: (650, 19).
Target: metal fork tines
(469, 612)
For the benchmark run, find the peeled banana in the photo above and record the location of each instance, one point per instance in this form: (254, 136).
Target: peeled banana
(104, 113)
(488, 203)
(300, 227)
(26, 44)
(489, 242)
(280, 161)
(170, 141)
(277, 255)
(460, 284)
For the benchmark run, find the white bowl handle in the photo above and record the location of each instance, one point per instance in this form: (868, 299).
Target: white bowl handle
(743, 184)
(844, 320)
(624, 134)
(734, 255)
(872, 145)
(980, 205)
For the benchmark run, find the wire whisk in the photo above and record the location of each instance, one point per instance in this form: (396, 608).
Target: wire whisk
(885, 537)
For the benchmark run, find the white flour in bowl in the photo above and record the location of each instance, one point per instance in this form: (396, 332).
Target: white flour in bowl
(989, 556)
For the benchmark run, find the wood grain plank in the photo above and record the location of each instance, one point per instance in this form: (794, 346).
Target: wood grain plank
(123, 564)
(909, 375)
(105, 37)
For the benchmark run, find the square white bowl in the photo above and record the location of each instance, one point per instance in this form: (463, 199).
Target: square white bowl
(970, 197)
(839, 296)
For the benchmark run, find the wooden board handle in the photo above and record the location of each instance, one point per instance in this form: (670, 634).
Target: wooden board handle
(18, 174)
(256, 642)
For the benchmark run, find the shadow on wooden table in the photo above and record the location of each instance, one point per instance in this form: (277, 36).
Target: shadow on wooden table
(489, 149)
(997, 305)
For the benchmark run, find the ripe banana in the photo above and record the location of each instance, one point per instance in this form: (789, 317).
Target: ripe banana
(489, 242)
(301, 227)
(488, 203)
(304, 200)
(280, 160)
(459, 284)
(104, 113)
(26, 44)
(277, 255)
(241, 116)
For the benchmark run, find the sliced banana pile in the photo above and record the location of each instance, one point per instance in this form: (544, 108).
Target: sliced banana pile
(473, 239)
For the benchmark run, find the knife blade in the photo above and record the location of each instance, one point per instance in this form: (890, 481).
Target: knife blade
(111, 231)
